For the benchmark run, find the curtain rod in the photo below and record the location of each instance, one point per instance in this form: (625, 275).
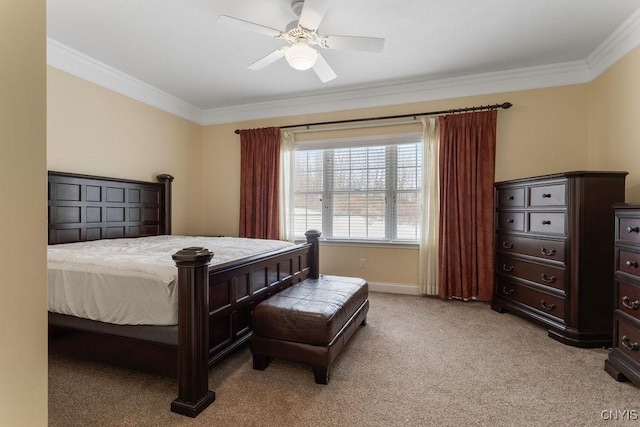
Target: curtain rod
(505, 105)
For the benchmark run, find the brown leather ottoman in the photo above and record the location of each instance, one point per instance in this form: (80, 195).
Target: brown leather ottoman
(309, 323)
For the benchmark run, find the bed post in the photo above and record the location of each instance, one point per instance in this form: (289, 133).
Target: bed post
(194, 395)
(166, 179)
(313, 237)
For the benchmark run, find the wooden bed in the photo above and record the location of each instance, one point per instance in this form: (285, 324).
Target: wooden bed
(215, 302)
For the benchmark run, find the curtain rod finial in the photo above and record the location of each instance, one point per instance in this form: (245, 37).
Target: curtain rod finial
(507, 105)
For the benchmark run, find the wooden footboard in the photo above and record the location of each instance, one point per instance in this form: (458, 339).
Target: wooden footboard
(236, 288)
(215, 309)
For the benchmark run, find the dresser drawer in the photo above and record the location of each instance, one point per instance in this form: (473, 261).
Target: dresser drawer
(547, 195)
(512, 221)
(547, 223)
(546, 249)
(628, 339)
(544, 302)
(628, 299)
(629, 262)
(542, 274)
(510, 197)
(629, 230)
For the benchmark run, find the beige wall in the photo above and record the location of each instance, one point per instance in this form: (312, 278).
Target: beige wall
(545, 132)
(615, 121)
(96, 131)
(23, 305)
(93, 130)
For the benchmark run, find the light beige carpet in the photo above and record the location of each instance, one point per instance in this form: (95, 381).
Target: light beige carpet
(419, 362)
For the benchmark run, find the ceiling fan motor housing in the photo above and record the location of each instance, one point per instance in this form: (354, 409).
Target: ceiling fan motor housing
(291, 26)
(297, 34)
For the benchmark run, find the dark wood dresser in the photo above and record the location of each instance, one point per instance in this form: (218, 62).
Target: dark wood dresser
(554, 253)
(624, 360)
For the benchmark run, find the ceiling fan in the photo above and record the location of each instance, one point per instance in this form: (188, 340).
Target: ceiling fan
(301, 35)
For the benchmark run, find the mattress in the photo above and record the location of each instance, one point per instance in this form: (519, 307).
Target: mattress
(132, 281)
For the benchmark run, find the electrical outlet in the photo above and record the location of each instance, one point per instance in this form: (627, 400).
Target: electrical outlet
(363, 262)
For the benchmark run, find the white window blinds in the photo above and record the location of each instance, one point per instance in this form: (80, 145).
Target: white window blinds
(363, 190)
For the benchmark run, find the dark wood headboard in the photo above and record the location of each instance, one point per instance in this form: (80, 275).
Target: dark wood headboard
(85, 207)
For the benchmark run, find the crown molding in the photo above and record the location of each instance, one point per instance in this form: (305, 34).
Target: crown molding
(618, 44)
(74, 62)
(622, 41)
(377, 96)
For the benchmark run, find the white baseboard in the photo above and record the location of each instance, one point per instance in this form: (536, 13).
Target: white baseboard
(394, 288)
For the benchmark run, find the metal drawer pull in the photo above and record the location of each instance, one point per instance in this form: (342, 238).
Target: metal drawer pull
(507, 291)
(510, 197)
(626, 342)
(547, 252)
(547, 306)
(633, 264)
(507, 268)
(510, 220)
(546, 195)
(548, 279)
(546, 222)
(633, 229)
(507, 245)
(626, 301)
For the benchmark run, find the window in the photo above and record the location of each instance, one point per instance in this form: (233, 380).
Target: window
(363, 190)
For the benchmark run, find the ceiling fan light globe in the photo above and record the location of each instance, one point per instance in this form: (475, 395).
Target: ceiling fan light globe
(301, 56)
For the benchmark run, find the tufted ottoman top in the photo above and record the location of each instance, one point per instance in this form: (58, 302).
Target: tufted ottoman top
(312, 311)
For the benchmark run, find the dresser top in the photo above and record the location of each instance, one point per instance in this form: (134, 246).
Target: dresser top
(571, 174)
(631, 205)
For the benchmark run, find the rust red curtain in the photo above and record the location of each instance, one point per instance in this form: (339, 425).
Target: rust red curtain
(260, 171)
(467, 170)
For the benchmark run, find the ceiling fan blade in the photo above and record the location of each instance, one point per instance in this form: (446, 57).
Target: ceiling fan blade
(323, 70)
(250, 26)
(367, 44)
(312, 13)
(269, 59)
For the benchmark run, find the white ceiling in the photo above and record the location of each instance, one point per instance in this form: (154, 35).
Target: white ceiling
(176, 50)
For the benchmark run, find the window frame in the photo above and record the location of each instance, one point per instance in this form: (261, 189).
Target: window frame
(391, 190)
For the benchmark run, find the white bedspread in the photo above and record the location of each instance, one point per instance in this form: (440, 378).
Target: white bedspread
(131, 281)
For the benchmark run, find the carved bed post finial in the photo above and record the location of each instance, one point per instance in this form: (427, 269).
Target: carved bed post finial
(194, 395)
(313, 238)
(166, 179)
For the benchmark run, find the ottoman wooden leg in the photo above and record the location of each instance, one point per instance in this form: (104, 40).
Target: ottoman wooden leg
(321, 375)
(260, 362)
(364, 322)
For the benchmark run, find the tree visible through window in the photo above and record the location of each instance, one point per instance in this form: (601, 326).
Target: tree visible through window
(359, 193)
